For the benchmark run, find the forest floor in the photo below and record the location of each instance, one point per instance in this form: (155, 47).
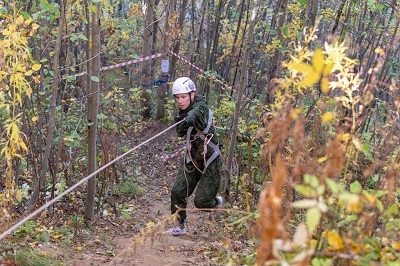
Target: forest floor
(140, 239)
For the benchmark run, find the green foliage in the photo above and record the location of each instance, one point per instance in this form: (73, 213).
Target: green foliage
(31, 257)
(335, 200)
(129, 188)
(16, 67)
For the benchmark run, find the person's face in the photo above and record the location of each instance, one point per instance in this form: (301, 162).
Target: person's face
(183, 100)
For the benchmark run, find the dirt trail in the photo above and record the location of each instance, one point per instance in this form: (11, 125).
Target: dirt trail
(118, 241)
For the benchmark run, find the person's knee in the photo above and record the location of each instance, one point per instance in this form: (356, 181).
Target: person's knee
(202, 203)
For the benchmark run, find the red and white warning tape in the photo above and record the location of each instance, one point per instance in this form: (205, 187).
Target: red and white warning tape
(120, 64)
(172, 155)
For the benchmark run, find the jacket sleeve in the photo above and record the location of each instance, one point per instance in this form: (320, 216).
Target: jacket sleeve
(198, 117)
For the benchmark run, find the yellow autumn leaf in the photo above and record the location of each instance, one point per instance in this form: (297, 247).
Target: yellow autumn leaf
(23, 146)
(310, 80)
(327, 69)
(327, 117)
(19, 195)
(318, 61)
(354, 205)
(78, 248)
(35, 118)
(36, 67)
(345, 137)
(379, 51)
(19, 20)
(325, 85)
(335, 241)
(28, 91)
(28, 73)
(35, 26)
(370, 198)
(322, 159)
(355, 248)
(28, 21)
(302, 68)
(396, 246)
(57, 236)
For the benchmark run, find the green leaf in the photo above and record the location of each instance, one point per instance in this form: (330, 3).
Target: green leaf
(313, 216)
(95, 79)
(149, 91)
(335, 188)
(311, 180)
(380, 193)
(93, 9)
(83, 37)
(25, 15)
(101, 116)
(96, 1)
(392, 210)
(355, 187)
(74, 37)
(380, 7)
(320, 190)
(45, 236)
(348, 219)
(305, 190)
(346, 197)
(379, 205)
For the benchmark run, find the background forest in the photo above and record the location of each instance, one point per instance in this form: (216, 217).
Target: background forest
(305, 96)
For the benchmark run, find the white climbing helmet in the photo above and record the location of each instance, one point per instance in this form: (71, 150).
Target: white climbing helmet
(183, 85)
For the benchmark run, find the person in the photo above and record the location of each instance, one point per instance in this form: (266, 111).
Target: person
(202, 162)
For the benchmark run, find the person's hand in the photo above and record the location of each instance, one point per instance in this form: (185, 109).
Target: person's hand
(179, 117)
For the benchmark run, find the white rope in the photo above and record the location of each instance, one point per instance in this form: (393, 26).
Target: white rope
(51, 202)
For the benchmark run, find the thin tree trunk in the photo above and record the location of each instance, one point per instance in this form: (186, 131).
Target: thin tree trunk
(238, 103)
(338, 15)
(93, 108)
(177, 45)
(164, 67)
(146, 67)
(232, 55)
(50, 129)
(215, 36)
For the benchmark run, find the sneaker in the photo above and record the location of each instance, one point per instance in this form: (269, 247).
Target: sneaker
(220, 201)
(176, 231)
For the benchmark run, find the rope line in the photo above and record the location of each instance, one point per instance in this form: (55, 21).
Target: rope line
(173, 154)
(51, 202)
(119, 64)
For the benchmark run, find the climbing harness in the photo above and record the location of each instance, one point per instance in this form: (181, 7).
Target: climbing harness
(206, 137)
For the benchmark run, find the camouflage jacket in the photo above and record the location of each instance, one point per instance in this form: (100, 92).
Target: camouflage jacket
(197, 117)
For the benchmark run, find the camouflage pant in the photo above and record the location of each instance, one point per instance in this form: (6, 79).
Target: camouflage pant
(207, 186)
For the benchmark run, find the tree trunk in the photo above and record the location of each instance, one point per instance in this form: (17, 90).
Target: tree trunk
(338, 15)
(238, 103)
(50, 129)
(146, 67)
(162, 88)
(177, 44)
(215, 36)
(93, 108)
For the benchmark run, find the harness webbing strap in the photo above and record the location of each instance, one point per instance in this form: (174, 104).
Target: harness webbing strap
(201, 134)
(209, 122)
